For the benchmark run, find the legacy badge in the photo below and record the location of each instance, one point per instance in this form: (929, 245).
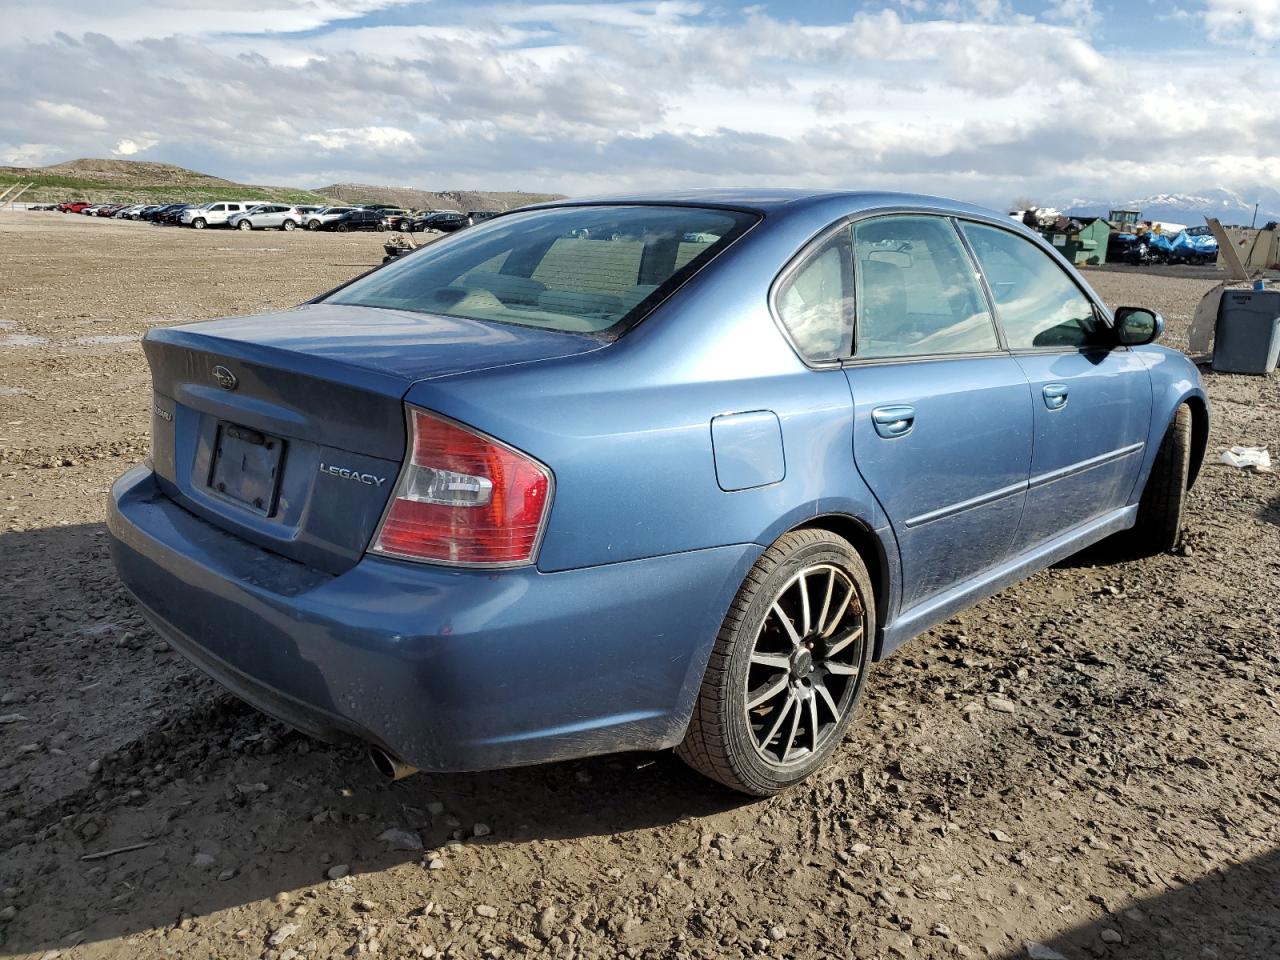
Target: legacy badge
(346, 473)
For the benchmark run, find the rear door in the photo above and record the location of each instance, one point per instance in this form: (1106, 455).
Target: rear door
(1091, 398)
(942, 413)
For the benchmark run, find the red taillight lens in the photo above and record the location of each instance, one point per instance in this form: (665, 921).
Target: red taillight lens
(464, 498)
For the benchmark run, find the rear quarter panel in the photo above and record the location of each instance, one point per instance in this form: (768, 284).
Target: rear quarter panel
(627, 429)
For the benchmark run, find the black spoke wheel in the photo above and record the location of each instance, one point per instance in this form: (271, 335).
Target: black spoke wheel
(788, 666)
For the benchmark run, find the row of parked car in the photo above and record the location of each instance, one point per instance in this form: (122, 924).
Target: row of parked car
(250, 215)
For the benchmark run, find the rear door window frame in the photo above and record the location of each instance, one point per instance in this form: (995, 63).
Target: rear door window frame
(1001, 348)
(848, 222)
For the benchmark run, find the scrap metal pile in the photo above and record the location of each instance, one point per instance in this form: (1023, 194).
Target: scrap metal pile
(1195, 246)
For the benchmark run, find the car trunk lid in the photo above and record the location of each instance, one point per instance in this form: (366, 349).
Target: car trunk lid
(289, 428)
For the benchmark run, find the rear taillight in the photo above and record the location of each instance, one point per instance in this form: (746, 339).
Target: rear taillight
(464, 498)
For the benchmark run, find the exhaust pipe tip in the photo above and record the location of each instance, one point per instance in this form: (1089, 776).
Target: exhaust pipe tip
(389, 766)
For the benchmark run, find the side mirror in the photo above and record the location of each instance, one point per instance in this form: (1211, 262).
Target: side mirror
(1136, 326)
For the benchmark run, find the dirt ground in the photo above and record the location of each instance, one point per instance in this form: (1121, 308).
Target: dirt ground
(1087, 764)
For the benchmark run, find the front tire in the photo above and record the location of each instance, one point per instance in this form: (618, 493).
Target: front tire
(788, 667)
(244, 225)
(1159, 525)
(198, 223)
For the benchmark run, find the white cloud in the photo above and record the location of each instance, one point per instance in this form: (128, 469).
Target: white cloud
(1079, 13)
(71, 115)
(128, 146)
(967, 97)
(138, 19)
(1254, 22)
(29, 154)
(341, 138)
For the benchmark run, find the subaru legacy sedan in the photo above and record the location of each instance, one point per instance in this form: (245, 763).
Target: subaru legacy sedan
(640, 473)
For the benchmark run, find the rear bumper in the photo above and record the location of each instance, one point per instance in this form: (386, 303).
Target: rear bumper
(447, 669)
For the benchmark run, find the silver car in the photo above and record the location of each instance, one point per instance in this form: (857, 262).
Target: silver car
(267, 215)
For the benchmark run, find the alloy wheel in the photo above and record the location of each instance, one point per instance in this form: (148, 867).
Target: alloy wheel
(805, 665)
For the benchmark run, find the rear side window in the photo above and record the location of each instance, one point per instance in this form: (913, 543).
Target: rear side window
(918, 293)
(815, 302)
(595, 270)
(1040, 307)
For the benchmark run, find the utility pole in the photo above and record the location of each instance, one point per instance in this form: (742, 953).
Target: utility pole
(1254, 222)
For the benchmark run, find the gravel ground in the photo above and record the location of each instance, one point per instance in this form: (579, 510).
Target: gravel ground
(1086, 765)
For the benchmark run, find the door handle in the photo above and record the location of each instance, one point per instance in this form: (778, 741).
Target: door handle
(1055, 395)
(894, 421)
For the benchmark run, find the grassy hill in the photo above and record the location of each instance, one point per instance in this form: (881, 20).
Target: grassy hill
(142, 181)
(414, 199)
(139, 181)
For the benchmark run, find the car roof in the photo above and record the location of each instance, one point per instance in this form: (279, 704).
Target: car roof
(765, 201)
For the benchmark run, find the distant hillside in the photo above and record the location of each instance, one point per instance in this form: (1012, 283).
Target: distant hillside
(144, 181)
(429, 200)
(139, 181)
(1229, 206)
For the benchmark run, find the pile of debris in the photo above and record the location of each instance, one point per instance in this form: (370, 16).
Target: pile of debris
(1258, 250)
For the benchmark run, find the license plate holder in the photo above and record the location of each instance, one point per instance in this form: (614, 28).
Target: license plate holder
(246, 467)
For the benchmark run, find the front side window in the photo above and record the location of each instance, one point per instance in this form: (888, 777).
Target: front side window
(918, 293)
(1040, 307)
(815, 302)
(589, 269)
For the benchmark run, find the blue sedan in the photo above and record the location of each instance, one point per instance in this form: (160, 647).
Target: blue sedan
(640, 473)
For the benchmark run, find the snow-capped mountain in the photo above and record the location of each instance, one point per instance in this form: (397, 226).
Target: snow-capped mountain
(1232, 207)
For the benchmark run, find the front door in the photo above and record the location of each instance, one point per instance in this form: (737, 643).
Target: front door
(1092, 399)
(942, 414)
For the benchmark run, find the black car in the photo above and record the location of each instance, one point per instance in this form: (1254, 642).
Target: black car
(172, 214)
(446, 221)
(357, 220)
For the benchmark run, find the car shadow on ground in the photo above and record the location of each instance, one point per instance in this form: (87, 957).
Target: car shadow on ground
(248, 827)
(1113, 551)
(1232, 913)
(1270, 513)
(224, 805)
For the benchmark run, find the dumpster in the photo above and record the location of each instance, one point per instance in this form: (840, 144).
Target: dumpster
(1080, 241)
(1247, 337)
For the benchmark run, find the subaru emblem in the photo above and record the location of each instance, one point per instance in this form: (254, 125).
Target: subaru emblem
(225, 378)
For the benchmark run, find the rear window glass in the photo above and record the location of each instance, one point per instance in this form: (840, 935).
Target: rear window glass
(594, 270)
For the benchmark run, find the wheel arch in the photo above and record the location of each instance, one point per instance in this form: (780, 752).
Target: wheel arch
(1199, 434)
(874, 553)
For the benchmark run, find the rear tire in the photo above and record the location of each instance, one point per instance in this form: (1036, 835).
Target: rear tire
(288, 225)
(789, 632)
(1159, 526)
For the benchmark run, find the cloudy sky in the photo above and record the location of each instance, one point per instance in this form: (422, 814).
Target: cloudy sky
(980, 99)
